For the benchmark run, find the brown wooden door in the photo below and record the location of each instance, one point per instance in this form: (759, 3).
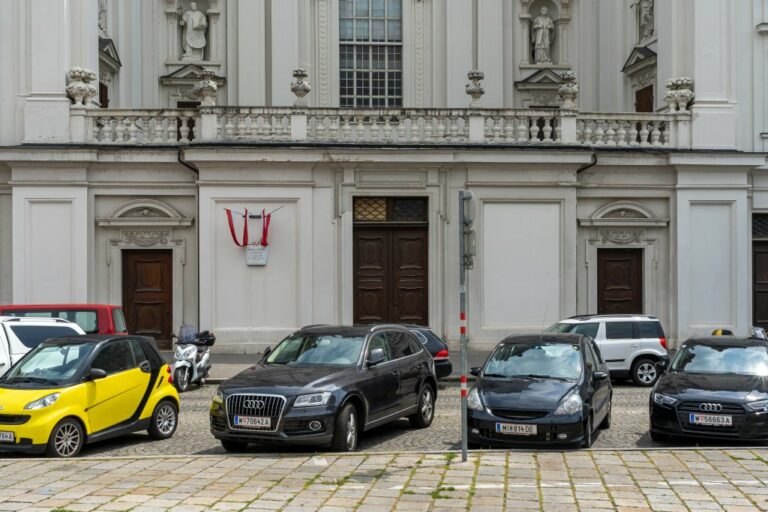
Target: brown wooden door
(390, 275)
(619, 281)
(644, 99)
(760, 284)
(147, 301)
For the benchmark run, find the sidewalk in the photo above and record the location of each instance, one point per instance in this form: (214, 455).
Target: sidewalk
(630, 480)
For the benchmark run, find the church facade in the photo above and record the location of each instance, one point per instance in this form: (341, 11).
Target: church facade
(250, 167)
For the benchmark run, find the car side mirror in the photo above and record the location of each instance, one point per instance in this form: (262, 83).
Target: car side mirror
(599, 375)
(376, 356)
(96, 373)
(266, 353)
(475, 371)
(662, 364)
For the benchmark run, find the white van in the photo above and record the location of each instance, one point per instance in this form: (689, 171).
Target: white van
(20, 335)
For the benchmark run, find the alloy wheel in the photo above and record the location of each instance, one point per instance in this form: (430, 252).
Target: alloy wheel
(646, 373)
(67, 440)
(351, 430)
(427, 408)
(166, 419)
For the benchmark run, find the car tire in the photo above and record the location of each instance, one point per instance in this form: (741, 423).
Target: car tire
(606, 423)
(425, 412)
(346, 431)
(67, 439)
(234, 446)
(181, 379)
(588, 439)
(164, 420)
(644, 372)
(659, 437)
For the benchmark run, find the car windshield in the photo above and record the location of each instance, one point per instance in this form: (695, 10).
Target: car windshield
(545, 360)
(306, 349)
(746, 360)
(50, 363)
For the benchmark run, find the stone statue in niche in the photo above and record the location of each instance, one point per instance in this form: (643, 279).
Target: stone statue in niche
(646, 19)
(103, 16)
(542, 36)
(194, 24)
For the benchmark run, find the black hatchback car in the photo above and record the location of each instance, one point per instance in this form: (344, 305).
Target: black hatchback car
(323, 385)
(715, 387)
(540, 389)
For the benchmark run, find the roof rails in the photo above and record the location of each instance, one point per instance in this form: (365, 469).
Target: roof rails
(314, 325)
(580, 317)
(387, 326)
(36, 319)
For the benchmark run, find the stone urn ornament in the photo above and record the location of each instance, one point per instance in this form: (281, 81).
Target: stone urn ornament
(679, 93)
(475, 88)
(206, 88)
(79, 87)
(300, 87)
(569, 89)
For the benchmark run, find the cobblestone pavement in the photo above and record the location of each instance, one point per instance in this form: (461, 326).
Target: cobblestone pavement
(629, 429)
(634, 480)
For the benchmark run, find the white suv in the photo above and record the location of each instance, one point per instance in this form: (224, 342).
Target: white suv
(630, 344)
(20, 335)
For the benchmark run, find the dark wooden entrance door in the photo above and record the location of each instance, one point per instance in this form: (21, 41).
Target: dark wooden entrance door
(147, 297)
(644, 99)
(390, 275)
(619, 281)
(760, 284)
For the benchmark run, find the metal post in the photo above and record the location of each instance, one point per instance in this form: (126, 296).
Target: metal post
(463, 325)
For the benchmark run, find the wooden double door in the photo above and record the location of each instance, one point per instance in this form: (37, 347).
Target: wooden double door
(391, 275)
(760, 284)
(147, 294)
(619, 281)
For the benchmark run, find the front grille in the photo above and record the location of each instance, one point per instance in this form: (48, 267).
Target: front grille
(512, 414)
(13, 419)
(735, 410)
(251, 405)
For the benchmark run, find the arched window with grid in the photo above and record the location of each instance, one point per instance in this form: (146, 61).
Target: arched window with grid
(371, 53)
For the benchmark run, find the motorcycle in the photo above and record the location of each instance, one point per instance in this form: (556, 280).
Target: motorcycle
(192, 359)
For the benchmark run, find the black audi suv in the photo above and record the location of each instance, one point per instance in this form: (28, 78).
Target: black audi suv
(323, 385)
(715, 387)
(540, 389)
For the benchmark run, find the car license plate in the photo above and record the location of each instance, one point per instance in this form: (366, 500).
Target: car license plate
(516, 429)
(7, 437)
(253, 421)
(712, 420)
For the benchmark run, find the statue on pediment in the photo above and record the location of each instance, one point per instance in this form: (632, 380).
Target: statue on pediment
(646, 17)
(194, 23)
(542, 36)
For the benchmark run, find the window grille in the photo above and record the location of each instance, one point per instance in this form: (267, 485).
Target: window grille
(391, 209)
(760, 225)
(371, 47)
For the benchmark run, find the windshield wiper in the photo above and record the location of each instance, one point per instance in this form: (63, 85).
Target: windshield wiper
(30, 379)
(496, 375)
(541, 376)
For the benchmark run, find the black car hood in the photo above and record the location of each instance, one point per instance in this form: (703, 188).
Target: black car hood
(700, 386)
(284, 379)
(523, 393)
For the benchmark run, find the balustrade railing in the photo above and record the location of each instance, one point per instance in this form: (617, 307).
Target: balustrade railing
(381, 126)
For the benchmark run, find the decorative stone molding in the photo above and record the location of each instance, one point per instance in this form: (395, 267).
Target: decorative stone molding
(79, 87)
(206, 88)
(475, 89)
(146, 238)
(621, 236)
(569, 90)
(300, 87)
(625, 214)
(144, 213)
(679, 93)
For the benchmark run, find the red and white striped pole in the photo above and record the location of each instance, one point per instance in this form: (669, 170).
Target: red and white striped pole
(463, 319)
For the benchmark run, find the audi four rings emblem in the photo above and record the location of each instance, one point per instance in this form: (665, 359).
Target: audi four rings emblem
(254, 404)
(711, 407)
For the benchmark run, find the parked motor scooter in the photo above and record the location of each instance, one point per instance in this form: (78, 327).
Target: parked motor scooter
(192, 359)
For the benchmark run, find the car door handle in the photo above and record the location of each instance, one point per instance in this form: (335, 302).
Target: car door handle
(396, 373)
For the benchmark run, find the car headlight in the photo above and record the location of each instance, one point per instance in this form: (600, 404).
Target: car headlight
(761, 406)
(570, 404)
(43, 402)
(660, 399)
(218, 398)
(312, 400)
(473, 400)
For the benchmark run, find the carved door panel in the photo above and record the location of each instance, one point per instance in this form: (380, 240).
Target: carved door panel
(390, 275)
(644, 99)
(760, 284)
(619, 281)
(147, 295)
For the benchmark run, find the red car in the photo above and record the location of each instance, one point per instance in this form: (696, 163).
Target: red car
(93, 318)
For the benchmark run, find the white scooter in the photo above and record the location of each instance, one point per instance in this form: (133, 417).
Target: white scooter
(192, 359)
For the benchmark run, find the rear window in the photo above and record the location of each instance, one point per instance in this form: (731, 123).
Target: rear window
(118, 320)
(87, 319)
(586, 329)
(649, 330)
(619, 330)
(32, 335)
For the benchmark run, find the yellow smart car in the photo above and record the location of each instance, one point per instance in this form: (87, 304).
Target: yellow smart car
(76, 390)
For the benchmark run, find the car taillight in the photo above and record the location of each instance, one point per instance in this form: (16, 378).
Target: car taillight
(170, 375)
(663, 342)
(442, 354)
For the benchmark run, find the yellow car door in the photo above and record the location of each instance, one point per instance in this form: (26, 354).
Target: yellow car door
(115, 398)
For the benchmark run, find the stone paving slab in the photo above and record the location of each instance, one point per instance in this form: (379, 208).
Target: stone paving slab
(633, 480)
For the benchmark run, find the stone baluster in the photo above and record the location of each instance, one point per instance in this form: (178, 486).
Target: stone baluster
(522, 129)
(120, 130)
(229, 127)
(655, 134)
(621, 134)
(107, 131)
(509, 129)
(359, 132)
(401, 129)
(346, 129)
(334, 128)
(454, 136)
(534, 131)
(387, 129)
(441, 130)
(159, 130)
(587, 136)
(375, 128)
(665, 135)
(644, 132)
(497, 129)
(184, 129)
(241, 126)
(599, 133)
(416, 129)
(429, 132)
(547, 129)
(633, 133)
(610, 135)
(558, 131)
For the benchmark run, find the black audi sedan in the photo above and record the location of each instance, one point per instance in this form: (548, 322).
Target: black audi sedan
(323, 385)
(715, 387)
(540, 389)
